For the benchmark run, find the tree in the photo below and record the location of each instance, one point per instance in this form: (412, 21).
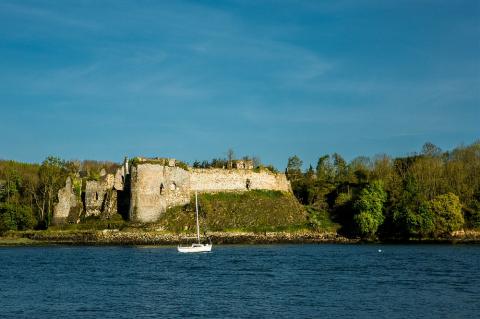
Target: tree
(359, 169)
(10, 189)
(472, 214)
(430, 149)
(294, 167)
(447, 210)
(462, 174)
(411, 214)
(52, 175)
(415, 221)
(196, 164)
(324, 168)
(218, 163)
(310, 173)
(369, 207)
(16, 217)
(429, 174)
(340, 166)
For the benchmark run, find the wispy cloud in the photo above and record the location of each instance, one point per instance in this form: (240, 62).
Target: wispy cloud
(287, 73)
(200, 52)
(27, 12)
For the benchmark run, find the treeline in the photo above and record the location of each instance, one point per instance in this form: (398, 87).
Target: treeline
(425, 195)
(28, 192)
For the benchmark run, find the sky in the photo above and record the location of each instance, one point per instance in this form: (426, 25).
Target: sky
(191, 79)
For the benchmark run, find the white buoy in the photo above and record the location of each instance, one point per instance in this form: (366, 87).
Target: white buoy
(379, 250)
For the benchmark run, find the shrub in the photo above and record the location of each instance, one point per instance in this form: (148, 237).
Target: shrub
(369, 206)
(16, 217)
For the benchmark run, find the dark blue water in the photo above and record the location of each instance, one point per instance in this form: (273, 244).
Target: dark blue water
(279, 281)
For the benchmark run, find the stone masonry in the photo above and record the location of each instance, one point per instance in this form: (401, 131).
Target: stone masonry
(149, 187)
(68, 206)
(156, 187)
(96, 194)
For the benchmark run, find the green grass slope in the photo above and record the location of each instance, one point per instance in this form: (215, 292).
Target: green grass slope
(248, 211)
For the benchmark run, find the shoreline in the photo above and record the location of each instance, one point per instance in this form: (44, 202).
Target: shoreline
(155, 238)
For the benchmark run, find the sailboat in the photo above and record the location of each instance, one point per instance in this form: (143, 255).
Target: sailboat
(196, 247)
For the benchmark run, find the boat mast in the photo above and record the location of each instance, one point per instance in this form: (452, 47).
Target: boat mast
(196, 215)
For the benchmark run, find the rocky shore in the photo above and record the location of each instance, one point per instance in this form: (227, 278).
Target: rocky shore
(116, 237)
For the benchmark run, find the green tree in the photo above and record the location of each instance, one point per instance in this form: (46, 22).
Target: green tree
(196, 164)
(359, 169)
(447, 210)
(369, 208)
(294, 167)
(324, 168)
(16, 217)
(472, 215)
(52, 174)
(341, 169)
(412, 216)
(429, 174)
(310, 173)
(10, 190)
(420, 218)
(417, 221)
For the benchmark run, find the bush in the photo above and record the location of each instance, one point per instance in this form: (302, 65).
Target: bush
(369, 206)
(320, 220)
(418, 222)
(16, 217)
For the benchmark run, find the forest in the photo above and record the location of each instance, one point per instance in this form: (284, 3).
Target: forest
(28, 192)
(423, 195)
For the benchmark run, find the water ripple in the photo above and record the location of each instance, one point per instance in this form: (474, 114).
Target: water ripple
(278, 281)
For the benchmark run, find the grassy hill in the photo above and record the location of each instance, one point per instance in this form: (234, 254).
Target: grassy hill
(248, 211)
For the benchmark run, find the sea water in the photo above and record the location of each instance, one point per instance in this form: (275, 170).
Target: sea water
(276, 281)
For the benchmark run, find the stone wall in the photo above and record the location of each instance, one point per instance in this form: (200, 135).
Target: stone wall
(96, 193)
(68, 207)
(103, 198)
(155, 187)
(220, 180)
(148, 188)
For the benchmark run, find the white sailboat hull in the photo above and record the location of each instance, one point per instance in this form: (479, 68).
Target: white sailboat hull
(195, 248)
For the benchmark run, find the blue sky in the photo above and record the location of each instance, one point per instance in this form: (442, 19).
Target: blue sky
(190, 79)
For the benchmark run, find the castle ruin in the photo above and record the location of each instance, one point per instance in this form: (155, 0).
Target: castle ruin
(144, 190)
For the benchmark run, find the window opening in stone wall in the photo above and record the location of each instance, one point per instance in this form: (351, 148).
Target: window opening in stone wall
(161, 188)
(247, 184)
(96, 195)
